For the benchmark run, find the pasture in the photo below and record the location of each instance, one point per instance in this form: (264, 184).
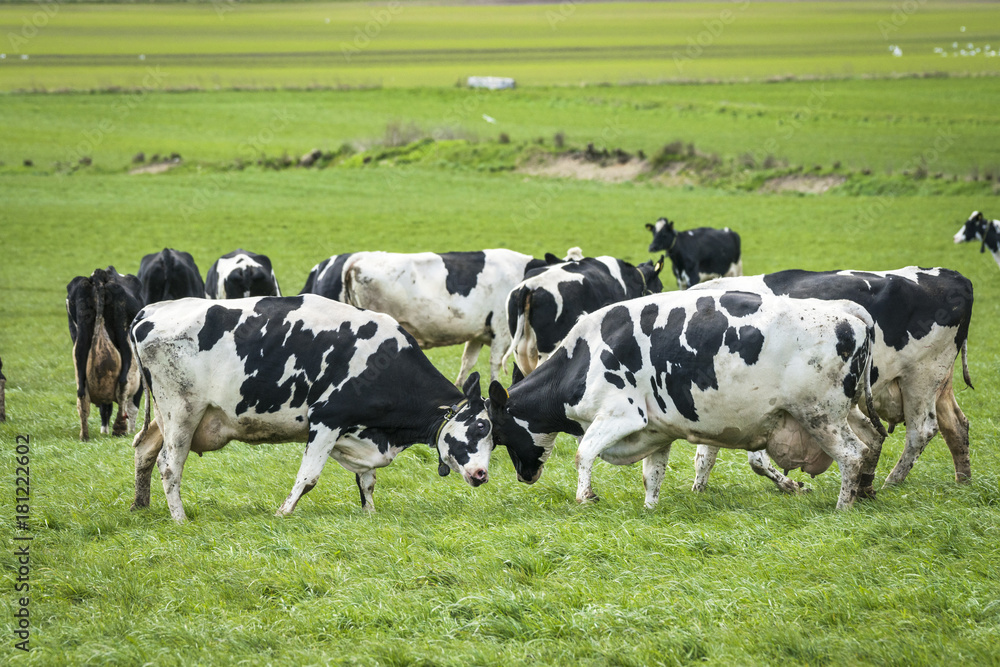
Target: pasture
(442, 573)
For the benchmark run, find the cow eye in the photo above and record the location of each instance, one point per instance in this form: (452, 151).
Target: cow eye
(483, 426)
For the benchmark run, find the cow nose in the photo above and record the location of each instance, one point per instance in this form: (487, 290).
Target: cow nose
(479, 477)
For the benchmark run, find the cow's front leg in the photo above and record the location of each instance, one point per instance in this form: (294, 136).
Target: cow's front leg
(470, 355)
(760, 463)
(366, 485)
(321, 442)
(704, 461)
(602, 434)
(654, 468)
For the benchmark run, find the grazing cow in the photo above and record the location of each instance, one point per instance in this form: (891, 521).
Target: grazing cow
(922, 321)
(169, 274)
(699, 254)
(351, 384)
(726, 368)
(544, 307)
(240, 274)
(100, 310)
(441, 299)
(978, 228)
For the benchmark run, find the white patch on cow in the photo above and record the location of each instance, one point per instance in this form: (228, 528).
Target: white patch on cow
(658, 225)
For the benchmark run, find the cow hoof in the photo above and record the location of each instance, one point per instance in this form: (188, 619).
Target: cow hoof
(136, 507)
(588, 498)
(867, 493)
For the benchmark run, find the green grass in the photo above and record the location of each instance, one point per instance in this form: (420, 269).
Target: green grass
(447, 574)
(226, 44)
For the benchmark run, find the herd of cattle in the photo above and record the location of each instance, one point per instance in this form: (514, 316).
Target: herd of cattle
(798, 368)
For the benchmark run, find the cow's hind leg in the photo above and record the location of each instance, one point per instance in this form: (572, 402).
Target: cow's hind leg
(147, 446)
(83, 409)
(176, 447)
(760, 463)
(921, 425)
(470, 355)
(106, 410)
(366, 485)
(654, 468)
(844, 447)
(321, 442)
(954, 427)
(704, 461)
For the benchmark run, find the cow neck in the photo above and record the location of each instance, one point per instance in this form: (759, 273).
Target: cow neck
(991, 238)
(642, 277)
(448, 416)
(543, 408)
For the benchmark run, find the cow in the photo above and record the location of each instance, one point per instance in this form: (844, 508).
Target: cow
(698, 254)
(241, 274)
(922, 319)
(169, 274)
(978, 228)
(544, 307)
(351, 384)
(720, 367)
(440, 298)
(100, 308)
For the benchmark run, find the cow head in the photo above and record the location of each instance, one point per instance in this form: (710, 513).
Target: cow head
(463, 441)
(664, 236)
(972, 230)
(650, 273)
(528, 450)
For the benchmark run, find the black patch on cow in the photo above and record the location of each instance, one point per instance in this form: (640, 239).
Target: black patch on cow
(902, 309)
(464, 269)
(747, 342)
(610, 361)
(331, 285)
(366, 331)
(618, 332)
(678, 368)
(874, 374)
(740, 304)
(614, 380)
(846, 343)
(542, 397)
(855, 376)
(647, 318)
(218, 320)
(141, 330)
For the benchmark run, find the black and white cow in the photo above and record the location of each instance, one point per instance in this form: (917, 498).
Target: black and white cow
(440, 298)
(698, 254)
(922, 321)
(100, 308)
(978, 228)
(544, 306)
(240, 274)
(725, 368)
(169, 274)
(351, 384)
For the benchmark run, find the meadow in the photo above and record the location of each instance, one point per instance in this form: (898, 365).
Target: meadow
(444, 574)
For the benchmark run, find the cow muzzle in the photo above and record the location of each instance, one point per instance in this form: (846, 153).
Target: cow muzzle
(477, 477)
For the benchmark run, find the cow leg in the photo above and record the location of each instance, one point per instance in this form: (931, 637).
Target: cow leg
(850, 453)
(470, 355)
(176, 447)
(760, 463)
(147, 446)
(921, 425)
(366, 485)
(321, 442)
(704, 461)
(863, 428)
(654, 468)
(498, 347)
(954, 427)
(602, 433)
(106, 410)
(83, 408)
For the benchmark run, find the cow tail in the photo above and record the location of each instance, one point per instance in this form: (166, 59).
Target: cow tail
(519, 345)
(869, 400)
(145, 388)
(965, 364)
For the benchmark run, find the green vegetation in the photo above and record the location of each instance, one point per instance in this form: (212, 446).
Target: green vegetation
(444, 574)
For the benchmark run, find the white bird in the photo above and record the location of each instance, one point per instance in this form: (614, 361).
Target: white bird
(896, 51)
(489, 119)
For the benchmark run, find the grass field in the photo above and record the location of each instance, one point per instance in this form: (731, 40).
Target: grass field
(444, 574)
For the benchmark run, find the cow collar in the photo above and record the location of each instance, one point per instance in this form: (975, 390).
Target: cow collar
(673, 243)
(642, 276)
(449, 414)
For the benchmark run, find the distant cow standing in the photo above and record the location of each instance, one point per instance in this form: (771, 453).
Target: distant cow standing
(169, 274)
(100, 310)
(440, 298)
(544, 306)
(699, 254)
(240, 274)
(978, 228)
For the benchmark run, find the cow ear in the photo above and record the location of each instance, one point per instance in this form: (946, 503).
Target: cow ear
(471, 387)
(650, 227)
(659, 264)
(516, 375)
(498, 396)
